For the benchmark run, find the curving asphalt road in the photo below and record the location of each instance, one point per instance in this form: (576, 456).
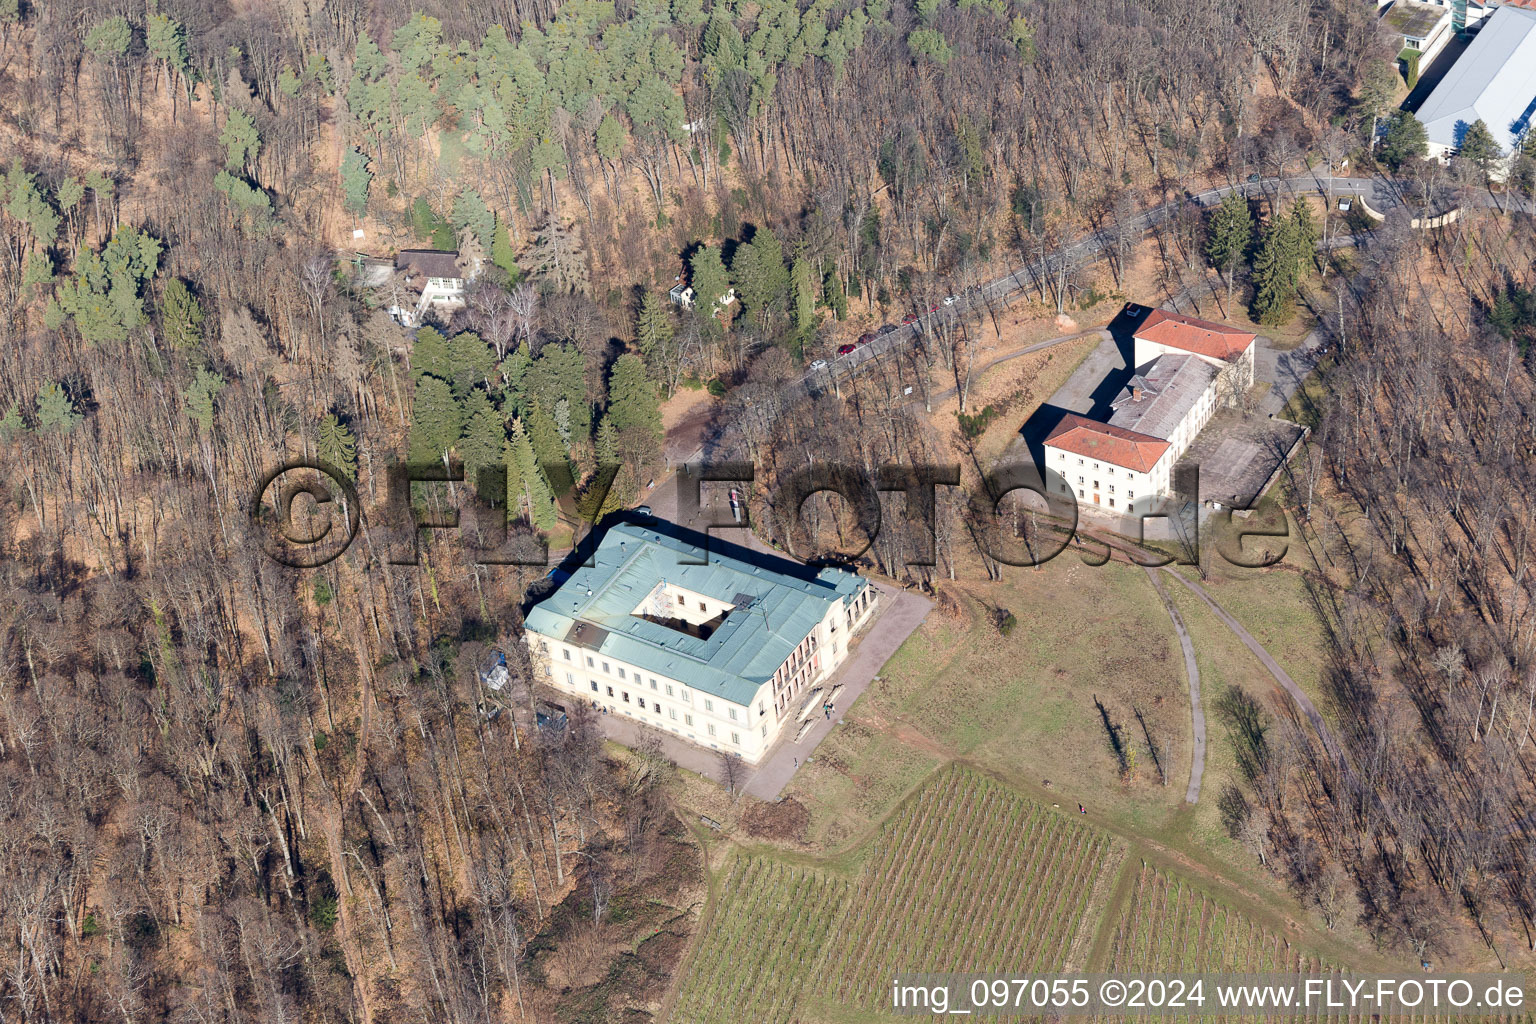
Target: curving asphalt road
(1381, 193)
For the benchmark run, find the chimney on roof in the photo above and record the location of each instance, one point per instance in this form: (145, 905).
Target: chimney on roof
(1135, 392)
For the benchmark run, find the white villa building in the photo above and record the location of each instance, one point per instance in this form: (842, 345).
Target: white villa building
(1186, 369)
(729, 654)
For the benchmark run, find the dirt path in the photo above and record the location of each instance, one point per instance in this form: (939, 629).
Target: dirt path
(909, 734)
(1192, 670)
(1281, 676)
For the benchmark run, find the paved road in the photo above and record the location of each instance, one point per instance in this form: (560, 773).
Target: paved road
(1381, 193)
(1192, 671)
(901, 612)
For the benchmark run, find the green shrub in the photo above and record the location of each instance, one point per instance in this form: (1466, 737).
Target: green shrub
(322, 913)
(973, 426)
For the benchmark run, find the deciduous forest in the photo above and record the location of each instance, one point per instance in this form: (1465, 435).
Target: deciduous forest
(231, 790)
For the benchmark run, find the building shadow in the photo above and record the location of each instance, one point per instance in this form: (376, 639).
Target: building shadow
(1431, 76)
(693, 547)
(1046, 418)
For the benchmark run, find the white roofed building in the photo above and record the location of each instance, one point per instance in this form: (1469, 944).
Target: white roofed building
(1494, 82)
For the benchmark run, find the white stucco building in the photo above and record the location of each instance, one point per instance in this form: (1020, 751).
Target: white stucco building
(1185, 369)
(730, 654)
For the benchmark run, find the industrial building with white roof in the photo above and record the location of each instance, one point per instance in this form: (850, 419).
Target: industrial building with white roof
(1494, 82)
(721, 646)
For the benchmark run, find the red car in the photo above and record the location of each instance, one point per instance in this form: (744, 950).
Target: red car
(843, 350)
(865, 339)
(910, 318)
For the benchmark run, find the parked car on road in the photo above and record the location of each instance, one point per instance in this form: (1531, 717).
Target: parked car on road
(843, 350)
(818, 365)
(950, 300)
(887, 329)
(865, 339)
(910, 318)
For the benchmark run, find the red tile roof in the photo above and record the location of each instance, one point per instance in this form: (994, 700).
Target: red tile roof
(1116, 445)
(1214, 341)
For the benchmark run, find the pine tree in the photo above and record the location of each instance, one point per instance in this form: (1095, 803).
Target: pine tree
(606, 445)
(502, 253)
(200, 395)
(609, 139)
(1377, 91)
(56, 412)
(181, 317)
(760, 276)
(104, 295)
(632, 403)
(557, 258)
(528, 491)
(36, 275)
(110, 37)
(1405, 139)
(423, 219)
(470, 212)
(1479, 146)
(1277, 274)
(240, 141)
(470, 362)
(634, 411)
(708, 279)
(166, 40)
(25, 202)
(336, 446)
(355, 179)
(484, 437)
(560, 373)
(431, 355)
(545, 438)
(653, 329)
(804, 282)
(11, 424)
(832, 293)
(617, 496)
(512, 379)
(1228, 236)
(1303, 233)
(436, 421)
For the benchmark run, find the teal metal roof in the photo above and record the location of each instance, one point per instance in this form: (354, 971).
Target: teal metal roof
(777, 604)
